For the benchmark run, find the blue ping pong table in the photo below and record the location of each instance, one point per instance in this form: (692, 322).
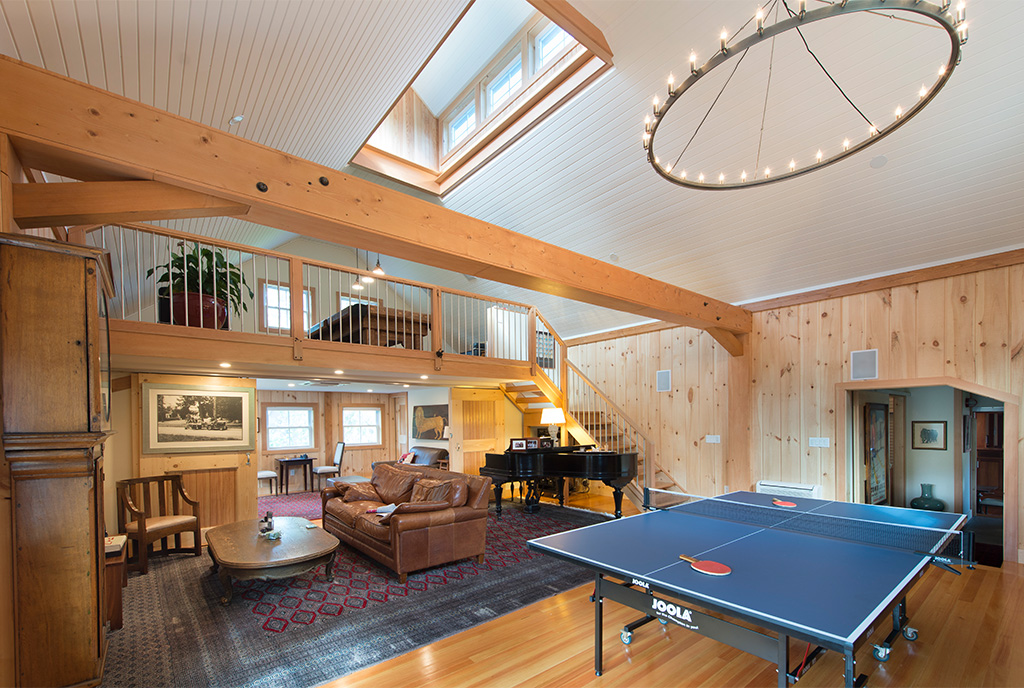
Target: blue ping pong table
(821, 572)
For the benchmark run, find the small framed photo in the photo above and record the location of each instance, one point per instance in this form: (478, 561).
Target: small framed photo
(517, 445)
(928, 434)
(545, 443)
(531, 443)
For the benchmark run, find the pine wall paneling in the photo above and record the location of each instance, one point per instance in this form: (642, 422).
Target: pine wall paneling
(963, 330)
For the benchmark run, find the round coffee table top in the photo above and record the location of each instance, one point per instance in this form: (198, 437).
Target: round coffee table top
(239, 545)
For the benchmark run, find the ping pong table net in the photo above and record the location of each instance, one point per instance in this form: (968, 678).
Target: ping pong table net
(939, 543)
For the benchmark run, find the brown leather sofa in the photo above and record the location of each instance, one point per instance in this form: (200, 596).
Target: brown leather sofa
(441, 516)
(423, 456)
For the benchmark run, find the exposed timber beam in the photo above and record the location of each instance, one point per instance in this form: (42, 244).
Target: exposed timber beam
(576, 25)
(79, 203)
(74, 126)
(10, 171)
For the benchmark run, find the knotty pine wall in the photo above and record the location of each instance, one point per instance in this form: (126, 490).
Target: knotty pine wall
(329, 430)
(969, 327)
(409, 131)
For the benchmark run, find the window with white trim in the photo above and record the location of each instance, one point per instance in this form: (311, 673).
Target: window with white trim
(361, 425)
(461, 124)
(508, 81)
(550, 44)
(290, 428)
(277, 307)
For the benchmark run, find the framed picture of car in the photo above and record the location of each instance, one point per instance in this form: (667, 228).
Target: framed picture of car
(178, 419)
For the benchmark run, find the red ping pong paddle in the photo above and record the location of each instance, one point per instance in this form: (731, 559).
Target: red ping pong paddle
(711, 568)
(780, 502)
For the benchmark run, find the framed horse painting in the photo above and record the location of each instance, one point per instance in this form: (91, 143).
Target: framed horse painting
(428, 422)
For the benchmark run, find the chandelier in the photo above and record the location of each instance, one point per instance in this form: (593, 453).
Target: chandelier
(952, 21)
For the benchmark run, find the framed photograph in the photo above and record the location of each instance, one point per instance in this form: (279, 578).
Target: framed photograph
(545, 443)
(193, 419)
(428, 422)
(531, 443)
(876, 452)
(928, 434)
(517, 445)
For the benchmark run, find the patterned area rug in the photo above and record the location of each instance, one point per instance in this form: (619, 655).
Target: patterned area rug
(304, 504)
(308, 630)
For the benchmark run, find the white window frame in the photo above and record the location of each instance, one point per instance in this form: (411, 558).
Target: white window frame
(265, 307)
(538, 63)
(267, 427)
(379, 425)
(505, 70)
(459, 112)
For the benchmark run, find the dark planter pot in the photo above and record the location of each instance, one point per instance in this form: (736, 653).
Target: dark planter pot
(198, 310)
(926, 500)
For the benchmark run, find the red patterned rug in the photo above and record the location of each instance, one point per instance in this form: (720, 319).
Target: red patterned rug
(359, 583)
(304, 504)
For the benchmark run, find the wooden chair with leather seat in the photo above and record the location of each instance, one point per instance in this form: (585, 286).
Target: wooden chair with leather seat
(334, 469)
(151, 509)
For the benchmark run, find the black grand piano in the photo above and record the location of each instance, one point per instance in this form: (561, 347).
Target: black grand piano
(530, 465)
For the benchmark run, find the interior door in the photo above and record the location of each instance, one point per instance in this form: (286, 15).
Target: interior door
(477, 425)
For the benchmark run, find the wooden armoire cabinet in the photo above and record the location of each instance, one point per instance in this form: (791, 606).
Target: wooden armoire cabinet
(52, 324)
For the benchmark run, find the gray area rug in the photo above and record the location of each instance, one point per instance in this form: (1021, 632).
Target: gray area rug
(308, 630)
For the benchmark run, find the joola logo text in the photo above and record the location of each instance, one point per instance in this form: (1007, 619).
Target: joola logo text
(642, 584)
(674, 611)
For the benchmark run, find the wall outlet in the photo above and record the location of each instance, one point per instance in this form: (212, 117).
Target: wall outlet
(818, 442)
(713, 439)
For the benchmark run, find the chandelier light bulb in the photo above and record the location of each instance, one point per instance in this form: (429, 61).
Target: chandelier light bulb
(760, 20)
(846, 144)
(647, 124)
(942, 69)
(721, 178)
(872, 130)
(654, 102)
(743, 176)
(693, 62)
(701, 178)
(803, 8)
(671, 85)
(657, 160)
(792, 165)
(961, 11)
(962, 30)
(923, 92)
(899, 112)
(817, 157)
(682, 175)
(668, 169)
(767, 172)
(722, 39)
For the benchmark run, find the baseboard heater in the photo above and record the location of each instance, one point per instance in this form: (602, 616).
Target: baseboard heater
(789, 489)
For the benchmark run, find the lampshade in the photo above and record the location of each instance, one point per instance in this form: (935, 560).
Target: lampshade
(446, 433)
(552, 416)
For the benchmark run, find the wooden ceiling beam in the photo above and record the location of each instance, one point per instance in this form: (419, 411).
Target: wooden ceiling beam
(576, 25)
(71, 125)
(80, 203)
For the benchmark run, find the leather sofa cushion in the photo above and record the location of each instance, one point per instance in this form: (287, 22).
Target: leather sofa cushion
(415, 508)
(393, 485)
(453, 491)
(348, 512)
(374, 526)
(362, 492)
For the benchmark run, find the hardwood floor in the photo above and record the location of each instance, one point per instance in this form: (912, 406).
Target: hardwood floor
(969, 626)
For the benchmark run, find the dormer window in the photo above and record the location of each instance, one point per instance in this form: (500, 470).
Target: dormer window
(506, 84)
(550, 44)
(461, 125)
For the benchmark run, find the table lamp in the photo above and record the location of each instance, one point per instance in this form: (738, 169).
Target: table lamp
(552, 417)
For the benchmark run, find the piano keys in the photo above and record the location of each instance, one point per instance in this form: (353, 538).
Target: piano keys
(612, 468)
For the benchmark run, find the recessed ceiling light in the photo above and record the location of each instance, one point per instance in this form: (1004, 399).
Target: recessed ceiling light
(423, 377)
(405, 385)
(369, 390)
(225, 365)
(291, 384)
(237, 119)
(339, 372)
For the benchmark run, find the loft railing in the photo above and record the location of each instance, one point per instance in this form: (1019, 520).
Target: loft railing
(607, 424)
(161, 275)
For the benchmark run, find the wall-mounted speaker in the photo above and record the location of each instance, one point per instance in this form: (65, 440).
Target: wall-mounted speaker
(663, 381)
(864, 364)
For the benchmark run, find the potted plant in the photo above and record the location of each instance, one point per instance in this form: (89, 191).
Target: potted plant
(196, 287)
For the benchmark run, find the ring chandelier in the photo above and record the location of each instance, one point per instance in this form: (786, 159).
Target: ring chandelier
(949, 19)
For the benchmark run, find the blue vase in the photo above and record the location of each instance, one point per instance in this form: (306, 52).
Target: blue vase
(926, 501)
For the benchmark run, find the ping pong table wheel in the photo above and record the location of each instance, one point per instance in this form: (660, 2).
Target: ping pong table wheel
(663, 622)
(881, 653)
(626, 637)
(909, 633)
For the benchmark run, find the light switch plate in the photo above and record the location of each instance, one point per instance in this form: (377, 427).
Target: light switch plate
(818, 442)
(713, 439)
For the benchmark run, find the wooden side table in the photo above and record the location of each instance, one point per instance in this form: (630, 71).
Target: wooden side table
(116, 578)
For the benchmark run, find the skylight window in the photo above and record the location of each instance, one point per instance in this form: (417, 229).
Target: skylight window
(506, 83)
(460, 126)
(551, 43)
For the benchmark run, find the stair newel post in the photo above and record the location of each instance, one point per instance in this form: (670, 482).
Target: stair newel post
(531, 339)
(296, 288)
(436, 327)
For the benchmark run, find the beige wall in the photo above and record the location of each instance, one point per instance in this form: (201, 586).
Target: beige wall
(968, 328)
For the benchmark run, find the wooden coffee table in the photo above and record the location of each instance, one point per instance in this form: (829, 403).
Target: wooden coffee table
(239, 552)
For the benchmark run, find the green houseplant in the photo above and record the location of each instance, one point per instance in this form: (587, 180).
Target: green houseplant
(197, 285)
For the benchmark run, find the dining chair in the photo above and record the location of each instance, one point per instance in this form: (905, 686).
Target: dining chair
(339, 451)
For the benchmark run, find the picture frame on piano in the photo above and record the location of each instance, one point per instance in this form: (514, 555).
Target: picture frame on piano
(532, 443)
(545, 443)
(517, 445)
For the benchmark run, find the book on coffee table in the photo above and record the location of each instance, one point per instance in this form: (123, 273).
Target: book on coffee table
(113, 544)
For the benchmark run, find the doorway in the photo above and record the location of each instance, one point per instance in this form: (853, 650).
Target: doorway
(984, 423)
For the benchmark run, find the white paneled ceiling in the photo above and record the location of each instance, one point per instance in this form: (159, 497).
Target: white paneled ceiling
(315, 78)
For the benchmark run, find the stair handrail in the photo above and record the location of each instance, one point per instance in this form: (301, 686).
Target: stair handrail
(646, 461)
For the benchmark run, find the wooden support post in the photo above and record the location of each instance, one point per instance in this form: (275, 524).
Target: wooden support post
(10, 170)
(295, 294)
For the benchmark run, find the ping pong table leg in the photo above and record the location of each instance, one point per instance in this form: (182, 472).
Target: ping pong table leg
(598, 604)
(783, 661)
